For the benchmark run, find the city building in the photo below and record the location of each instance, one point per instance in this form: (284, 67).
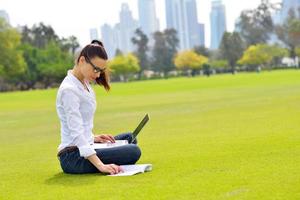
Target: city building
(217, 23)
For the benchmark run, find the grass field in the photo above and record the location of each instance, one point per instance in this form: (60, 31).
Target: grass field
(223, 137)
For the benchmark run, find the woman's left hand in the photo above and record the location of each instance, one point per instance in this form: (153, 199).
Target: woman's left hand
(103, 138)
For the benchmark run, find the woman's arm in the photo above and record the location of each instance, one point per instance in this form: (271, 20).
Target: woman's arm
(110, 168)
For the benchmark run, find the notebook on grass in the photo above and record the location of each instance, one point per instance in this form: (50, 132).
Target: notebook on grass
(129, 170)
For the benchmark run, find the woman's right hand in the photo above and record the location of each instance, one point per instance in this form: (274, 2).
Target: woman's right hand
(110, 169)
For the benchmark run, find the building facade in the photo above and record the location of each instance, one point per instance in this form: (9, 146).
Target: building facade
(217, 23)
(183, 17)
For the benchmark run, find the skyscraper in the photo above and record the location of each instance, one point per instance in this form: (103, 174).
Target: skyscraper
(119, 36)
(202, 34)
(94, 34)
(4, 15)
(125, 29)
(217, 23)
(108, 39)
(148, 20)
(183, 17)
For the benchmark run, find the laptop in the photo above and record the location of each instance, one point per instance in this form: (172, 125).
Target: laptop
(139, 127)
(123, 142)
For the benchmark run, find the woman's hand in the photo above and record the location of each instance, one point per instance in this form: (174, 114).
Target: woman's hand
(103, 138)
(110, 169)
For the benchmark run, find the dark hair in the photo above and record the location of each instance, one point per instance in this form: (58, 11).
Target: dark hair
(96, 49)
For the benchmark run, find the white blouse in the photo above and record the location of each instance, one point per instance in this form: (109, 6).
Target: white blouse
(75, 108)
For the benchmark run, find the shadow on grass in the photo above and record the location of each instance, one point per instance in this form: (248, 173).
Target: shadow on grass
(73, 180)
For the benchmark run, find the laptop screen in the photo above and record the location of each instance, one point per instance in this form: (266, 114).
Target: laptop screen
(139, 127)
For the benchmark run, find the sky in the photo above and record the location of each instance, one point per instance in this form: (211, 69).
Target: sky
(74, 17)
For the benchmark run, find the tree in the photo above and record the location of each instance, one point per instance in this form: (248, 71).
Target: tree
(172, 42)
(277, 54)
(231, 48)
(47, 56)
(31, 74)
(118, 52)
(53, 63)
(159, 51)
(141, 41)
(12, 62)
(297, 51)
(256, 25)
(69, 44)
(288, 32)
(189, 60)
(261, 55)
(219, 64)
(124, 66)
(202, 50)
(255, 56)
(39, 35)
(164, 50)
(42, 57)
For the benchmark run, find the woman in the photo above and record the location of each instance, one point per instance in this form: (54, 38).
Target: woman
(76, 105)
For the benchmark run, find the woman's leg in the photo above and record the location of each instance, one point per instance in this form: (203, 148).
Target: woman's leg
(71, 162)
(121, 155)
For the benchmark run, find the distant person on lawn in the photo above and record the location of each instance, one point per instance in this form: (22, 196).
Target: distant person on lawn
(76, 105)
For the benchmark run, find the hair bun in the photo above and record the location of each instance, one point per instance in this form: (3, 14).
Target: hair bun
(97, 42)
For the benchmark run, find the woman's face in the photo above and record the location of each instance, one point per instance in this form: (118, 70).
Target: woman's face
(91, 68)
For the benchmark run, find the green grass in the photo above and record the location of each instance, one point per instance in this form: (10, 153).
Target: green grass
(223, 137)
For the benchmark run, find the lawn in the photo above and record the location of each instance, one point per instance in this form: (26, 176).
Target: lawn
(222, 137)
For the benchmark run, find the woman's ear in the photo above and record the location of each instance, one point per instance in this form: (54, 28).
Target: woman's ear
(81, 59)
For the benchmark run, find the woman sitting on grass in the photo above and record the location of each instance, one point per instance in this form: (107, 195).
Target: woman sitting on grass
(76, 105)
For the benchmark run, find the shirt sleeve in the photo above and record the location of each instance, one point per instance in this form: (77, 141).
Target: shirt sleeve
(71, 104)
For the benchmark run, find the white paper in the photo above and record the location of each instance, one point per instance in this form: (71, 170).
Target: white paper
(129, 170)
(109, 144)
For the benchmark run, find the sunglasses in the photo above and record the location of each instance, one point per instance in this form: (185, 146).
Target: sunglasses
(96, 69)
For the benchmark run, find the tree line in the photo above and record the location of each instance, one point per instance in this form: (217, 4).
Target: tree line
(35, 57)
(257, 44)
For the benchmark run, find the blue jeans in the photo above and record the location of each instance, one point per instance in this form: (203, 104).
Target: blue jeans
(72, 163)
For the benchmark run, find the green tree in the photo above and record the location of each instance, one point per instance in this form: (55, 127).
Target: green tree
(39, 35)
(189, 60)
(256, 25)
(261, 55)
(69, 44)
(288, 32)
(231, 48)
(124, 66)
(31, 74)
(118, 52)
(277, 54)
(172, 43)
(202, 50)
(159, 52)
(12, 62)
(47, 56)
(164, 50)
(297, 51)
(254, 57)
(219, 64)
(53, 63)
(141, 41)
